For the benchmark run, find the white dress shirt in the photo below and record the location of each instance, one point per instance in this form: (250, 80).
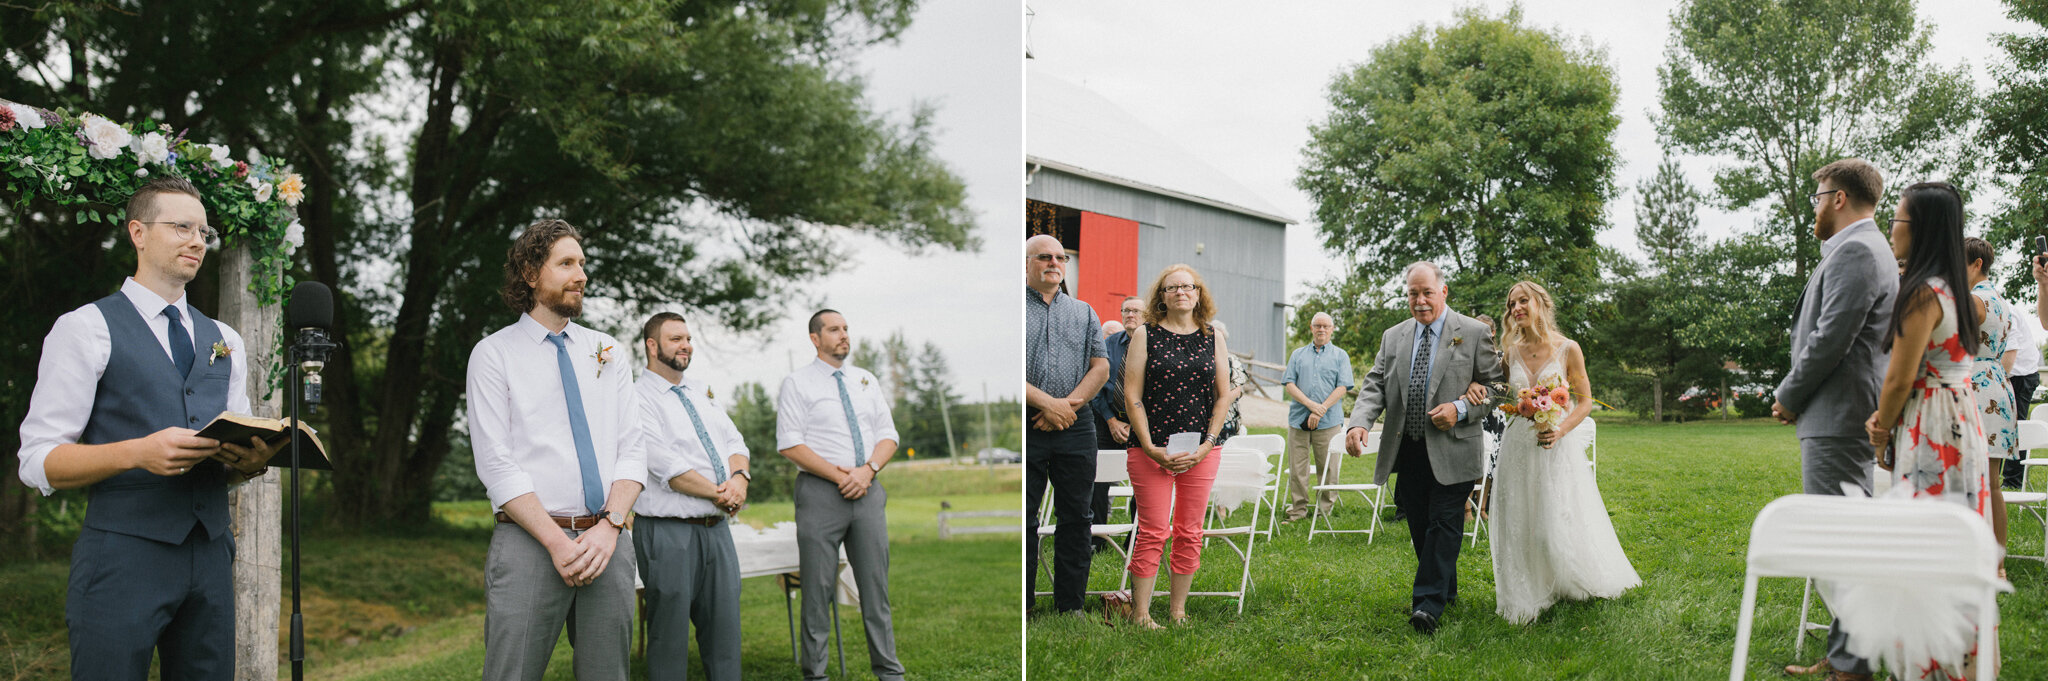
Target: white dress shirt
(673, 448)
(2026, 330)
(519, 416)
(808, 412)
(75, 357)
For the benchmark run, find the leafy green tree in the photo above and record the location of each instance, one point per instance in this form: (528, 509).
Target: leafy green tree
(709, 152)
(1485, 145)
(2015, 135)
(921, 413)
(753, 412)
(1779, 88)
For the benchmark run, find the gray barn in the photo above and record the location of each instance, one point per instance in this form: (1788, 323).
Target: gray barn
(1127, 202)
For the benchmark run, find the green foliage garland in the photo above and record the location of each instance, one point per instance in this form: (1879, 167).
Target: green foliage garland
(86, 163)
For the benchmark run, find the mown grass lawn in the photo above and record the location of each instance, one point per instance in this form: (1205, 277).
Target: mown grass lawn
(409, 605)
(1682, 498)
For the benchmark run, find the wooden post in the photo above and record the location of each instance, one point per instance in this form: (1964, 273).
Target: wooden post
(254, 507)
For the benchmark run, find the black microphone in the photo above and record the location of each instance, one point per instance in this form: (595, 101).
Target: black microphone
(311, 314)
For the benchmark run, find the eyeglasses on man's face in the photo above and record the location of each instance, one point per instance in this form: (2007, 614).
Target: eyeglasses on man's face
(1814, 198)
(1062, 258)
(186, 230)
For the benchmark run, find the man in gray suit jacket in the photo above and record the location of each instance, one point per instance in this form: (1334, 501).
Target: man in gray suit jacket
(1419, 380)
(1838, 360)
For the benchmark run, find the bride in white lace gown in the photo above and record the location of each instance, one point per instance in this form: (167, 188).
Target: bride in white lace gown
(1551, 536)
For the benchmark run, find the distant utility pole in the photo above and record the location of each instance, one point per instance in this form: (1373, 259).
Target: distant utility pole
(945, 414)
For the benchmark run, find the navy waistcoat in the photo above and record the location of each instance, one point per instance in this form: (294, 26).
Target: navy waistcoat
(142, 393)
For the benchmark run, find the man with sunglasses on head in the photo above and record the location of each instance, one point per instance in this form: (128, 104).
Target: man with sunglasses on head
(151, 573)
(1064, 365)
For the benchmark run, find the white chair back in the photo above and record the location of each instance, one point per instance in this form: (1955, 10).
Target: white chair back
(1870, 541)
(2039, 413)
(2033, 433)
(1112, 465)
(1266, 443)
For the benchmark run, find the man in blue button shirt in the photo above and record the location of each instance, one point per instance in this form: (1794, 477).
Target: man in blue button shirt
(1317, 377)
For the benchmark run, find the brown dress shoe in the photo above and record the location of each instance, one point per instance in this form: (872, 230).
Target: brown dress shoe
(1820, 666)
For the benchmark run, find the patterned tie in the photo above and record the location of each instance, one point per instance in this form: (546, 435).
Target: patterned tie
(181, 342)
(579, 427)
(1418, 383)
(703, 436)
(860, 452)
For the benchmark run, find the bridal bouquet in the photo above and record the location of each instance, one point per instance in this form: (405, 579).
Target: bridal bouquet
(1545, 403)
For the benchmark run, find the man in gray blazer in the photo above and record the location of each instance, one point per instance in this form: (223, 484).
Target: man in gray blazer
(1838, 360)
(1419, 380)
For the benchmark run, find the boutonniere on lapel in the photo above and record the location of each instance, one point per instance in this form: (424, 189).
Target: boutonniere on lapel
(863, 381)
(220, 349)
(1456, 340)
(707, 394)
(603, 356)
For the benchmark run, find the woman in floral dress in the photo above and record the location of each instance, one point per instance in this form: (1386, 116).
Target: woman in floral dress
(1991, 375)
(1927, 411)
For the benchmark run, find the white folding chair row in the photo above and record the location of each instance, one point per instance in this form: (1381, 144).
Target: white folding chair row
(1871, 541)
(1111, 469)
(1476, 506)
(1274, 448)
(1372, 493)
(1244, 462)
(2033, 434)
(1120, 491)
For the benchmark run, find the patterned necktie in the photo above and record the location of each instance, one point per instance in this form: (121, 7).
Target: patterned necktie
(860, 452)
(1418, 383)
(579, 427)
(703, 436)
(181, 342)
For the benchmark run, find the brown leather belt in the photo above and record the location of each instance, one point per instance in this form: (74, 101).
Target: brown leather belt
(705, 521)
(581, 522)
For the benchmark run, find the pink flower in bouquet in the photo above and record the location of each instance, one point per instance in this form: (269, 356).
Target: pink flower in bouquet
(1526, 406)
(1559, 394)
(1543, 403)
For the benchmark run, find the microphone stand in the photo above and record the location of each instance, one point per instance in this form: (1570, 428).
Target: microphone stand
(310, 350)
(298, 642)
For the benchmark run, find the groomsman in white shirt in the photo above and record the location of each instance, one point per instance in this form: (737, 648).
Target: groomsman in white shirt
(121, 385)
(697, 463)
(555, 425)
(832, 419)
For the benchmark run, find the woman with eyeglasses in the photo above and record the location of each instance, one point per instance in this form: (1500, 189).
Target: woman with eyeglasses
(1928, 428)
(1176, 380)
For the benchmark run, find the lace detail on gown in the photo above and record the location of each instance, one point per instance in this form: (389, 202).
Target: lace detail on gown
(1551, 535)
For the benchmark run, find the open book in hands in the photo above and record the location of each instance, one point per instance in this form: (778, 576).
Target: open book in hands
(238, 428)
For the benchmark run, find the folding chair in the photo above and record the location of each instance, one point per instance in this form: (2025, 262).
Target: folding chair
(1274, 448)
(1478, 508)
(1111, 469)
(1240, 467)
(1872, 541)
(2033, 435)
(1372, 493)
(1592, 429)
(1120, 493)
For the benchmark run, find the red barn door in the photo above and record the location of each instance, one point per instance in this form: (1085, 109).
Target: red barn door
(1108, 263)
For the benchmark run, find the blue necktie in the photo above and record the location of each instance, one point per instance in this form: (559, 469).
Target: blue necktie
(586, 454)
(181, 342)
(860, 452)
(703, 436)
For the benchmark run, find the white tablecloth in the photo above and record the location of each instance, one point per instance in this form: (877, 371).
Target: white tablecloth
(772, 551)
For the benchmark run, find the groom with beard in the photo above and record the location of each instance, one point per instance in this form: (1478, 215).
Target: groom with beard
(1428, 381)
(1838, 356)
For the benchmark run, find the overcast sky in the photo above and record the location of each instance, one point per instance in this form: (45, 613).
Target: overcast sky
(963, 57)
(1239, 83)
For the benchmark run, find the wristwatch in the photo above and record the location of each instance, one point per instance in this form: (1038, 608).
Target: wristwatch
(877, 468)
(616, 518)
(742, 472)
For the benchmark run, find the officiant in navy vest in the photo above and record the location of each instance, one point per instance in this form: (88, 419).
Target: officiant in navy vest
(152, 571)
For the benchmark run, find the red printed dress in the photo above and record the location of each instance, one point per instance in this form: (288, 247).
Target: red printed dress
(1940, 438)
